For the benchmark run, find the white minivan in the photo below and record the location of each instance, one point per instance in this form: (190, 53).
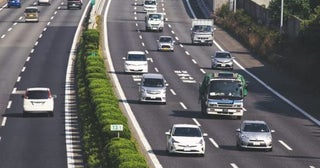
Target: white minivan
(136, 62)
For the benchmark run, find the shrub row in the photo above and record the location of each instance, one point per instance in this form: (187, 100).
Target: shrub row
(98, 109)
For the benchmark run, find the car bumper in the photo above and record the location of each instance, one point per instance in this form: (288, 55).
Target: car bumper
(225, 112)
(187, 149)
(255, 145)
(222, 65)
(136, 69)
(161, 98)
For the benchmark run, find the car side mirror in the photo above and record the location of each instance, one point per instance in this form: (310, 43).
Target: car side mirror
(167, 133)
(238, 130)
(204, 134)
(273, 131)
(54, 96)
(124, 58)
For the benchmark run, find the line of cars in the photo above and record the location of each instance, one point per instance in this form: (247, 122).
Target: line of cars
(188, 138)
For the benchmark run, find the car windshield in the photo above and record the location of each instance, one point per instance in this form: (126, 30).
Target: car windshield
(150, 2)
(153, 82)
(37, 94)
(155, 17)
(223, 55)
(165, 40)
(187, 131)
(137, 57)
(255, 127)
(225, 88)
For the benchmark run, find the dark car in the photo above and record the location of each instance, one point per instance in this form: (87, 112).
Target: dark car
(74, 4)
(14, 3)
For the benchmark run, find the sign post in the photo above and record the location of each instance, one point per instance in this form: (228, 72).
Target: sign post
(116, 127)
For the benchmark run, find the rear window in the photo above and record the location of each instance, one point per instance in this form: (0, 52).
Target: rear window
(31, 11)
(38, 94)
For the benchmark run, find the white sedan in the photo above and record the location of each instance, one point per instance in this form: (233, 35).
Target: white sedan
(165, 43)
(185, 138)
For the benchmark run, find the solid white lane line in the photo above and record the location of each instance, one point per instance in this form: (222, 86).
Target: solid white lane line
(183, 106)
(214, 142)
(172, 91)
(9, 104)
(196, 121)
(234, 165)
(285, 145)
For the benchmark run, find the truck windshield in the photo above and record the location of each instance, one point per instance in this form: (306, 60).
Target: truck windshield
(225, 89)
(202, 28)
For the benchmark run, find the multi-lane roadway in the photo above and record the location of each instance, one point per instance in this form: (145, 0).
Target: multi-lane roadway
(34, 55)
(296, 140)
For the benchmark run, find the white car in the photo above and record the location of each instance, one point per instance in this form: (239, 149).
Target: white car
(222, 60)
(153, 88)
(38, 100)
(186, 138)
(165, 43)
(45, 2)
(150, 6)
(136, 62)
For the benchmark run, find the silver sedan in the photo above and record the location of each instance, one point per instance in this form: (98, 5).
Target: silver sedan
(222, 60)
(254, 134)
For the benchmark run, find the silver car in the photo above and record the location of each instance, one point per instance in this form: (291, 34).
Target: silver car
(165, 43)
(222, 60)
(153, 88)
(254, 134)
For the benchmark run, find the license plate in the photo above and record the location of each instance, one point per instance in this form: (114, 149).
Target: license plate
(256, 143)
(152, 97)
(187, 149)
(223, 65)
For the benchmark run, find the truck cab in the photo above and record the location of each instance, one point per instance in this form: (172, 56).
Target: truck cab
(202, 31)
(222, 94)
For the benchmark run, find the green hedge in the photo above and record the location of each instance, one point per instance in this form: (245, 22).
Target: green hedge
(99, 108)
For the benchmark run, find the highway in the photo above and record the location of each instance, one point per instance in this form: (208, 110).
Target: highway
(34, 55)
(296, 140)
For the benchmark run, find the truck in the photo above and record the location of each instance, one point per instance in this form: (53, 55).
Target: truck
(222, 94)
(154, 21)
(202, 31)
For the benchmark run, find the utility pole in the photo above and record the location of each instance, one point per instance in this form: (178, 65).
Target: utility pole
(281, 17)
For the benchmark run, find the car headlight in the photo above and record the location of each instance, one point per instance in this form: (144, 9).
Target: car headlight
(200, 142)
(244, 137)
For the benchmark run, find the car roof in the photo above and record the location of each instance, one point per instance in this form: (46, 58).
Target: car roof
(31, 7)
(136, 52)
(254, 122)
(186, 125)
(152, 75)
(38, 88)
